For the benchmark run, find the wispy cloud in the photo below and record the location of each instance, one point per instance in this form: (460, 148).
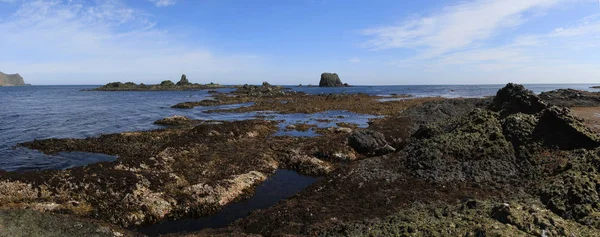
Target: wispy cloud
(354, 60)
(455, 27)
(163, 3)
(460, 43)
(106, 41)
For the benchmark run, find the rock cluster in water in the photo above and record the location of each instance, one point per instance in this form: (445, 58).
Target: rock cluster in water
(166, 85)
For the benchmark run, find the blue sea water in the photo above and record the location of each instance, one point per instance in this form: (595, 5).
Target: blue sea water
(40, 112)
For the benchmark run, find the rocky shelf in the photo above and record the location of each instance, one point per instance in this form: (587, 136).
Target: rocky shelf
(512, 165)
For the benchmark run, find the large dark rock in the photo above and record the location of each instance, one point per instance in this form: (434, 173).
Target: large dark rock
(330, 80)
(514, 98)
(369, 142)
(559, 128)
(571, 98)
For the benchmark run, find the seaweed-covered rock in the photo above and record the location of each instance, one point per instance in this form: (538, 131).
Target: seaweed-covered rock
(369, 142)
(571, 98)
(175, 120)
(439, 110)
(514, 98)
(472, 147)
(518, 128)
(330, 80)
(557, 127)
(573, 192)
(184, 81)
(33, 223)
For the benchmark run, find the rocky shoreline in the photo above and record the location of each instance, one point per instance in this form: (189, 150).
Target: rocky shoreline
(512, 165)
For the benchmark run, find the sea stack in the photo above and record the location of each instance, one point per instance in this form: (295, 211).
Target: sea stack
(11, 80)
(330, 80)
(184, 81)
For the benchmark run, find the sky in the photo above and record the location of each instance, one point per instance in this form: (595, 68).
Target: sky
(367, 42)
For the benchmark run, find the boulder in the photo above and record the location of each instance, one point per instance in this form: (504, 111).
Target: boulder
(369, 142)
(514, 98)
(330, 80)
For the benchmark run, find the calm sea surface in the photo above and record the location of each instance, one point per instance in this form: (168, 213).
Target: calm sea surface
(39, 112)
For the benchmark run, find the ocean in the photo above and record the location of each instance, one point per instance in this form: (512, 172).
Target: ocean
(41, 112)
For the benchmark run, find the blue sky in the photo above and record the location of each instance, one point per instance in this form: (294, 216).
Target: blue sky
(377, 42)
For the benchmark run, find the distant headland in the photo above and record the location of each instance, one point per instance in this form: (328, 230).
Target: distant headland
(11, 80)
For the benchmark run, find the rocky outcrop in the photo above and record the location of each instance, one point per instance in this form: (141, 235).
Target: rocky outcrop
(330, 80)
(11, 80)
(571, 98)
(472, 147)
(369, 142)
(557, 127)
(514, 98)
(184, 81)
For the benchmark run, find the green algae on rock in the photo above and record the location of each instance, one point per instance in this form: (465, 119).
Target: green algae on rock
(29, 223)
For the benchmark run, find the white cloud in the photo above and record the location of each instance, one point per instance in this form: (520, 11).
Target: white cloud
(455, 27)
(163, 3)
(354, 60)
(50, 42)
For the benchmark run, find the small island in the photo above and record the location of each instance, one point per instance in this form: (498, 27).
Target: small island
(11, 80)
(167, 85)
(331, 80)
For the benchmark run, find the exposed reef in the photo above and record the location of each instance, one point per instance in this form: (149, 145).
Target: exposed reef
(571, 98)
(499, 169)
(281, 100)
(512, 165)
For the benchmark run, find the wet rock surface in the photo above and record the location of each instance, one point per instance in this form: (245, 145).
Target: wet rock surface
(507, 166)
